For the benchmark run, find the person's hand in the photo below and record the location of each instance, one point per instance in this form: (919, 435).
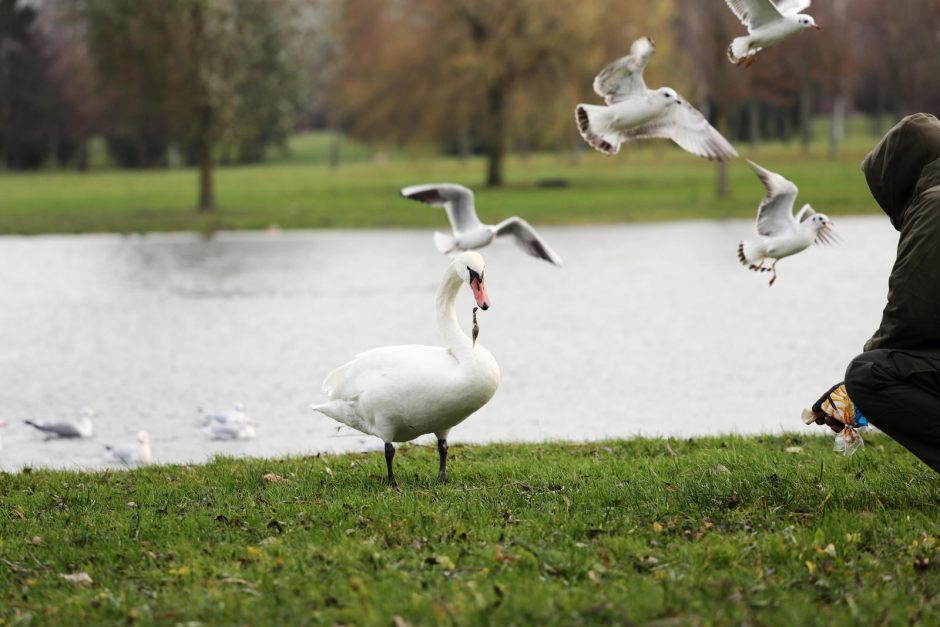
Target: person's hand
(822, 418)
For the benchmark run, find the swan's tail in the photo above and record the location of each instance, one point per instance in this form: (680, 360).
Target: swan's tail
(444, 242)
(594, 125)
(751, 255)
(740, 50)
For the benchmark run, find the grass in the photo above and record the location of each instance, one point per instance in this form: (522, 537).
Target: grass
(707, 531)
(647, 182)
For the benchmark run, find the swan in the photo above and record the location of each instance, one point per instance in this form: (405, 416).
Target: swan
(398, 393)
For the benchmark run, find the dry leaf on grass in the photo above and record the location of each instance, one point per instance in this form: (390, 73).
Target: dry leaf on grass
(79, 579)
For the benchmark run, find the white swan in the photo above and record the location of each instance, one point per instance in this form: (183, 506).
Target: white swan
(398, 393)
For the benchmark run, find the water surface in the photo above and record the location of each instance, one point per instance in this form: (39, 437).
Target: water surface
(648, 329)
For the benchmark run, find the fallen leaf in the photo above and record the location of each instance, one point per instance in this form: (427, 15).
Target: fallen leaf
(658, 528)
(79, 579)
(441, 560)
(273, 478)
(793, 449)
(810, 566)
(35, 541)
(720, 469)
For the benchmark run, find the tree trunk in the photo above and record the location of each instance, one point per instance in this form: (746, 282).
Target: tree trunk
(496, 144)
(204, 141)
(754, 124)
(806, 117)
(204, 114)
(837, 126)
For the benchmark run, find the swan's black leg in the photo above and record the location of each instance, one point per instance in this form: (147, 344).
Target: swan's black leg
(442, 453)
(389, 456)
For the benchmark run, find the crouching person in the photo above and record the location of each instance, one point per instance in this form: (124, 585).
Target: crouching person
(895, 383)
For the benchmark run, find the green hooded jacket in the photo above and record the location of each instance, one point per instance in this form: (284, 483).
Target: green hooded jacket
(903, 173)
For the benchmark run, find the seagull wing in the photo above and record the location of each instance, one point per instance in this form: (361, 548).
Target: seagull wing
(775, 214)
(792, 7)
(754, 13)
(624, 76)
(124, 455)
(527, 239)
(457, 200)
(683, 124)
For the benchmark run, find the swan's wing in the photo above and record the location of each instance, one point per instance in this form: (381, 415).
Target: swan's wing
(527, 239)
(457, 200)
(792, 7)
(624, 76)
(683, 124)
(754, 13)
(775, 214)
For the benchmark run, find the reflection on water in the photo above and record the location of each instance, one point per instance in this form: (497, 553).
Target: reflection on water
(648, 329)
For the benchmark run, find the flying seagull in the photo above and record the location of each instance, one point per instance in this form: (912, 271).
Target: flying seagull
(767, 24)
(635, 112)
(783, 233)
(468, 233)
(78, 427)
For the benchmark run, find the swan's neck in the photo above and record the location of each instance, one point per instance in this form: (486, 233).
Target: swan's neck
(453, 336)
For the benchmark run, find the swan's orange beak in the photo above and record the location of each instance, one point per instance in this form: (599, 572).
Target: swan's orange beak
(479, 293)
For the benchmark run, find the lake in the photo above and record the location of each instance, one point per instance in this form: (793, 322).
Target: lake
(651, 329)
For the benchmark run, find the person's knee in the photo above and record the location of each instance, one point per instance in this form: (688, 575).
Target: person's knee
(864, 377)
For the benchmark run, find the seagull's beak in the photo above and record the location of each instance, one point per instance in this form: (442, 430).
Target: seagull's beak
(479, 293)
(816, 27)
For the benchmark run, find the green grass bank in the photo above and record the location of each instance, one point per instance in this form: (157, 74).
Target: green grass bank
(768, 530)
(646, 182)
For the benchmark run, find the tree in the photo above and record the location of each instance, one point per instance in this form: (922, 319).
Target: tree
(425, 69)
(220, 78)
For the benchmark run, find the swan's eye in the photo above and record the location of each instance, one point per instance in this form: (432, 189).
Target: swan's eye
(474, 275)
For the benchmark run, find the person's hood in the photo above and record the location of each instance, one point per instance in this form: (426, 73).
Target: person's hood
(894, 168)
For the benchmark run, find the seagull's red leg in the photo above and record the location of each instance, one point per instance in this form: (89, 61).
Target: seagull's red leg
(773, 269)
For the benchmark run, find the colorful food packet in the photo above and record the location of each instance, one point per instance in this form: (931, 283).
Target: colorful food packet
(837, 410)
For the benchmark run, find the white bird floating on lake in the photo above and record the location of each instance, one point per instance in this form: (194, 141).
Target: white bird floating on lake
(635, 112)
(133, 455)
(783, 233)
(232, 424)
(767, 24)
(398, 393)
(78, 427)
(468, 232)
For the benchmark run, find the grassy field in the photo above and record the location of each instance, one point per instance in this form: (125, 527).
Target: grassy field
(766, 530)
(646, 182)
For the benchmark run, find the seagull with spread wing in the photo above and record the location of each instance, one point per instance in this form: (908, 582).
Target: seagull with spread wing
(468, 233)
(635, 112)
(783, 233)
(767, 24)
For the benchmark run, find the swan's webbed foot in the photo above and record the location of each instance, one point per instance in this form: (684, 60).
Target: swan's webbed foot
(389, 456)
(442, 454)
